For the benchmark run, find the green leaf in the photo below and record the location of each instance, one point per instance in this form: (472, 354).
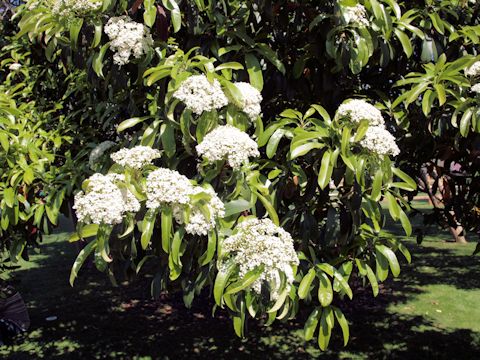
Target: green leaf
(325, 291)
(229, 65)
(298, 149)
(270, 209)
(236, 207)
(405, 223)
(82, 256)
(147, 227)
(97, 62)
(304, 288)
(465, 122)
(274, 141)
(312, 323)
(97, 36)
(254, 71)
(168, 139)
(343, 284)
(393, 207)
(271, 56)
(9, 197)
(342, 321)
(405, 177)
(391, 257)
(4, 141)
(325, 331)
(245, 282)
(223, 275)
(326, 169)
(442, 97)
(75, 27)
(127, 124)
(150, 12)
(166, 223)
(373, 280)
(211, 247)
(85, 232)
(377, 186)
(176, 15)
(405, 41)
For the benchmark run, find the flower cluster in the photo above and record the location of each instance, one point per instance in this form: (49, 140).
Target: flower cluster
(167, 187)
(198, 223)
(379, 140)
(356, 15)
(199, 95)
(357, 110)
(98, 151)
(14, 67)
(475, 88)
(69, 8)
(127, 38)
(258, 242)
(228, 143)
(251, 100)
(473, 70)
(103, 202)
(136, 157)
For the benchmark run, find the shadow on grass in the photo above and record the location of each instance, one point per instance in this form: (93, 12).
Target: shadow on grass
(97, 320)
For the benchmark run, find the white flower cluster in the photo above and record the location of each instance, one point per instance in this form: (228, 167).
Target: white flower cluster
(356, 14)
(251, 100)
(475, 88)
(167, 187)
(228, 143)
(199, 95)
(104, 202)
(136, 157)
(357, 110)
(127, 38)
(260, 242)
(473, 70)
(14, 67)
(98, 151)
(68, 8)
(379, 140)
(198, 223)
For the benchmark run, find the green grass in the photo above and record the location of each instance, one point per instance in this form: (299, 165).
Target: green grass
(430, 312)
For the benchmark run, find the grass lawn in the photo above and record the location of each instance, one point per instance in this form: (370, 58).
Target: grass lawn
(432, 311)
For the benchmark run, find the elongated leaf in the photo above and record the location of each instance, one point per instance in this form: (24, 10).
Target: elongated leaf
(245, 282)
(82, 256)
(223, 275)
(312, 323)
(304, 288)
(343, 284)
(391, 257)
(325, 170)
(254, 71)
(325, 332)
(377, 186)
(85, 232)
(342, 321)
(166, 222)
(147, 227)
(127, 124)
(373, 280)
(236, 207)
(325, 291)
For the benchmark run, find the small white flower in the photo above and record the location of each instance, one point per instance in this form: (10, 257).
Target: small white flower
(473, 70)
(199, 95)
(251, 99)
(228, 143)
(475, 88)
(127, 38)
(14, 67)
(258, 242)
(167, 187)
(104, 202)
(136, 157)
(98, 151)
(357, 110)
(379, 140)
(198, 223)
(356, 14)
(69, 8)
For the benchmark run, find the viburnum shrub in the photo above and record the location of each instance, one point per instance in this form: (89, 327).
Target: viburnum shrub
(247, 149)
